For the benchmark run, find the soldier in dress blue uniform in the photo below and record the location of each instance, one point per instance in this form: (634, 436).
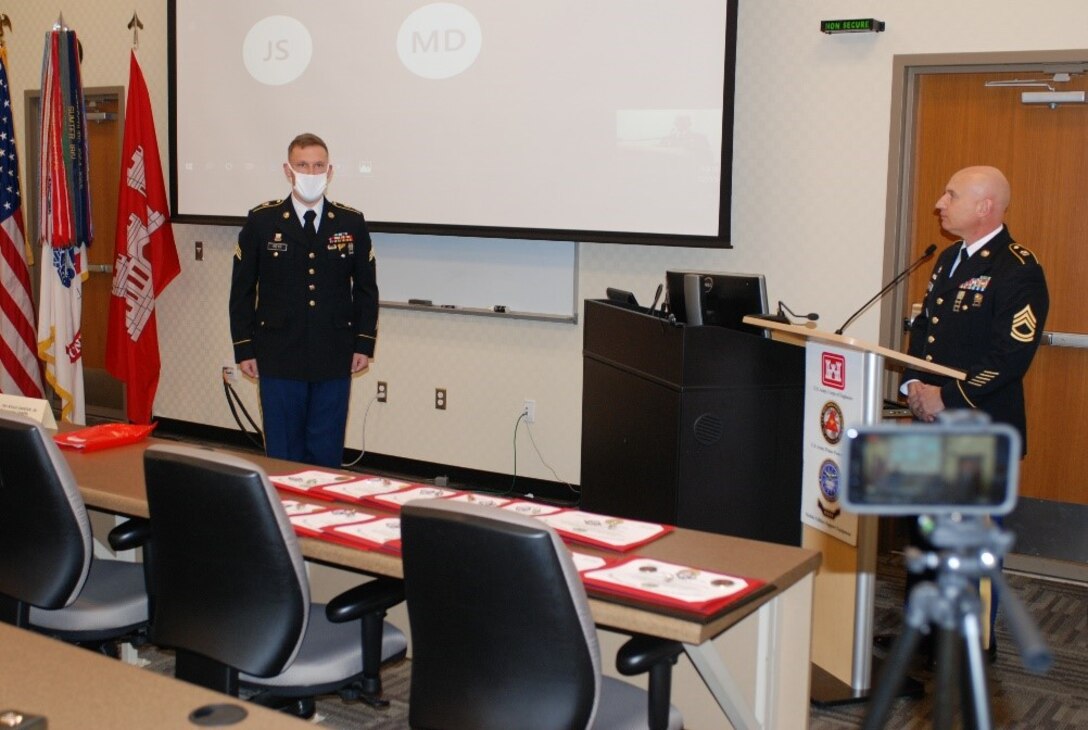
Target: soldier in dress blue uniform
(304, 308)
(984, 313)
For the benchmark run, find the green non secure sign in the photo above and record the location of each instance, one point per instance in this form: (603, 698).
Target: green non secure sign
(854, 25)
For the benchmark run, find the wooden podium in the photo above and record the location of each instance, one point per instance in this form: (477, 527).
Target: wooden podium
(844, 386)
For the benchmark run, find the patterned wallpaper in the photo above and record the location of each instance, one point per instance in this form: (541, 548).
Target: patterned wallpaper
(811, 151)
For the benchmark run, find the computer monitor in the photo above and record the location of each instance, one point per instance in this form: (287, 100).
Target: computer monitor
(717, 298)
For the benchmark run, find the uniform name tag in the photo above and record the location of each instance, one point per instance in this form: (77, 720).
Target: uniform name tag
(277, 246)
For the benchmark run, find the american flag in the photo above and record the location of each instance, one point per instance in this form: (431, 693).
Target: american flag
(20, 371)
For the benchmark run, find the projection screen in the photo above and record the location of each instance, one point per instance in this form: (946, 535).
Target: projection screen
(608, 120)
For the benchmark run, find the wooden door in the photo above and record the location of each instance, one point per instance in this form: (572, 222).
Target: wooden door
(104, 133)
(1044, 153)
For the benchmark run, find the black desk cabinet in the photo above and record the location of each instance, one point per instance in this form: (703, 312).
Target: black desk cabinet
(699, 427)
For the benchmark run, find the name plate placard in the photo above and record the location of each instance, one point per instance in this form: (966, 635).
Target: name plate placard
(37, 409)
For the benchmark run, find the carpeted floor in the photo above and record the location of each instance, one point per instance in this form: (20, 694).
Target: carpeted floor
(1019, 699)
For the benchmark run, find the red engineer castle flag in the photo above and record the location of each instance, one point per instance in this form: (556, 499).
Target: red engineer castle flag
(145, 256)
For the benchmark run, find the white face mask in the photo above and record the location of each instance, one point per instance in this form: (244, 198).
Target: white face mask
(310, 188)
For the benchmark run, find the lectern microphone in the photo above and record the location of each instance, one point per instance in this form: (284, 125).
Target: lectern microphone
(888, 287)
(811, 316)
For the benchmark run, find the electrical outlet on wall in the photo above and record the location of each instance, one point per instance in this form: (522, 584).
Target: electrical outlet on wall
(528, 409)
(230, 371)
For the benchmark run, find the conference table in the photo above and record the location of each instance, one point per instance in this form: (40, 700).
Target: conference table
(112, 480)
(75, 688)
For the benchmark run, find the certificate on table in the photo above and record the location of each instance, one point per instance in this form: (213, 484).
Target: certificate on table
(680, 587)
(614, 533)
(360, 489)
(313, 524)
(380, 534)
(310, 482)
(486, 500)
(532, 509)
(396, 500)
(293, 507)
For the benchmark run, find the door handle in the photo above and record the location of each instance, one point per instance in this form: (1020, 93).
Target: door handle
(1065, 339)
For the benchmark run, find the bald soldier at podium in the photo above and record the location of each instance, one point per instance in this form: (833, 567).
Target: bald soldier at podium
(984, 312)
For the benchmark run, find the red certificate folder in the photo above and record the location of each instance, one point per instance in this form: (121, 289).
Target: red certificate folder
(313, 524)
(381, 534)
(310, 482)
(680, 588)
(395, 500)
(603, 531)
(359, 489)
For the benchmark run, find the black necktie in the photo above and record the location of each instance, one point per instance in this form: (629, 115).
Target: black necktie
(308, 225)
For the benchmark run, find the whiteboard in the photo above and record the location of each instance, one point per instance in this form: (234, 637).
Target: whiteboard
(519, 277)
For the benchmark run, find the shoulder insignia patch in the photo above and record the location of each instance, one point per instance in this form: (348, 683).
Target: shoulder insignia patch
(1023, 325)
(1022, 254)
(237, 252)
(269, 204)
(371, 255)
(345, 207)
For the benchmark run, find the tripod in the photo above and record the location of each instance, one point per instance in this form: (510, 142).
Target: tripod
(966, 549)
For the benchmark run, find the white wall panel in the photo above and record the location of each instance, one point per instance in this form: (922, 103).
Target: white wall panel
(811, 147)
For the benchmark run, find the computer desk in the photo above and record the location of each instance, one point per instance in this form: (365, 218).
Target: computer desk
(76, 688)
(774, 695)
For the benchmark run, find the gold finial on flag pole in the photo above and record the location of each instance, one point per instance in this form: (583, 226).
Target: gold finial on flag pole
(135, 25)
(5, 21)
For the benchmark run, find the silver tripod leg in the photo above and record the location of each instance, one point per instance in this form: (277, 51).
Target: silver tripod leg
(976, 671)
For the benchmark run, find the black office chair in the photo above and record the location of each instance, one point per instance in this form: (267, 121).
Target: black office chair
(232, 597)
(501, 631)
(50, 580)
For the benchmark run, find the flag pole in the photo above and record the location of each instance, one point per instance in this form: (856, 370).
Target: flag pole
(135, 26)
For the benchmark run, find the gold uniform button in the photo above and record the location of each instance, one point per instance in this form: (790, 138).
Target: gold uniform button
(935, 320)
(940, 300)
(931, 339)
(313, 255)
(312, 287)
(275, 254)
(311, 272)
(929, 358)
(313, 303)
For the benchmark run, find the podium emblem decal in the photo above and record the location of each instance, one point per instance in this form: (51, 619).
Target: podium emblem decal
(831, 422)
(830, 484)
(833, 370)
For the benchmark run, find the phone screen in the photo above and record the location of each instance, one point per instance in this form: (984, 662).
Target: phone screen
(926, 469)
